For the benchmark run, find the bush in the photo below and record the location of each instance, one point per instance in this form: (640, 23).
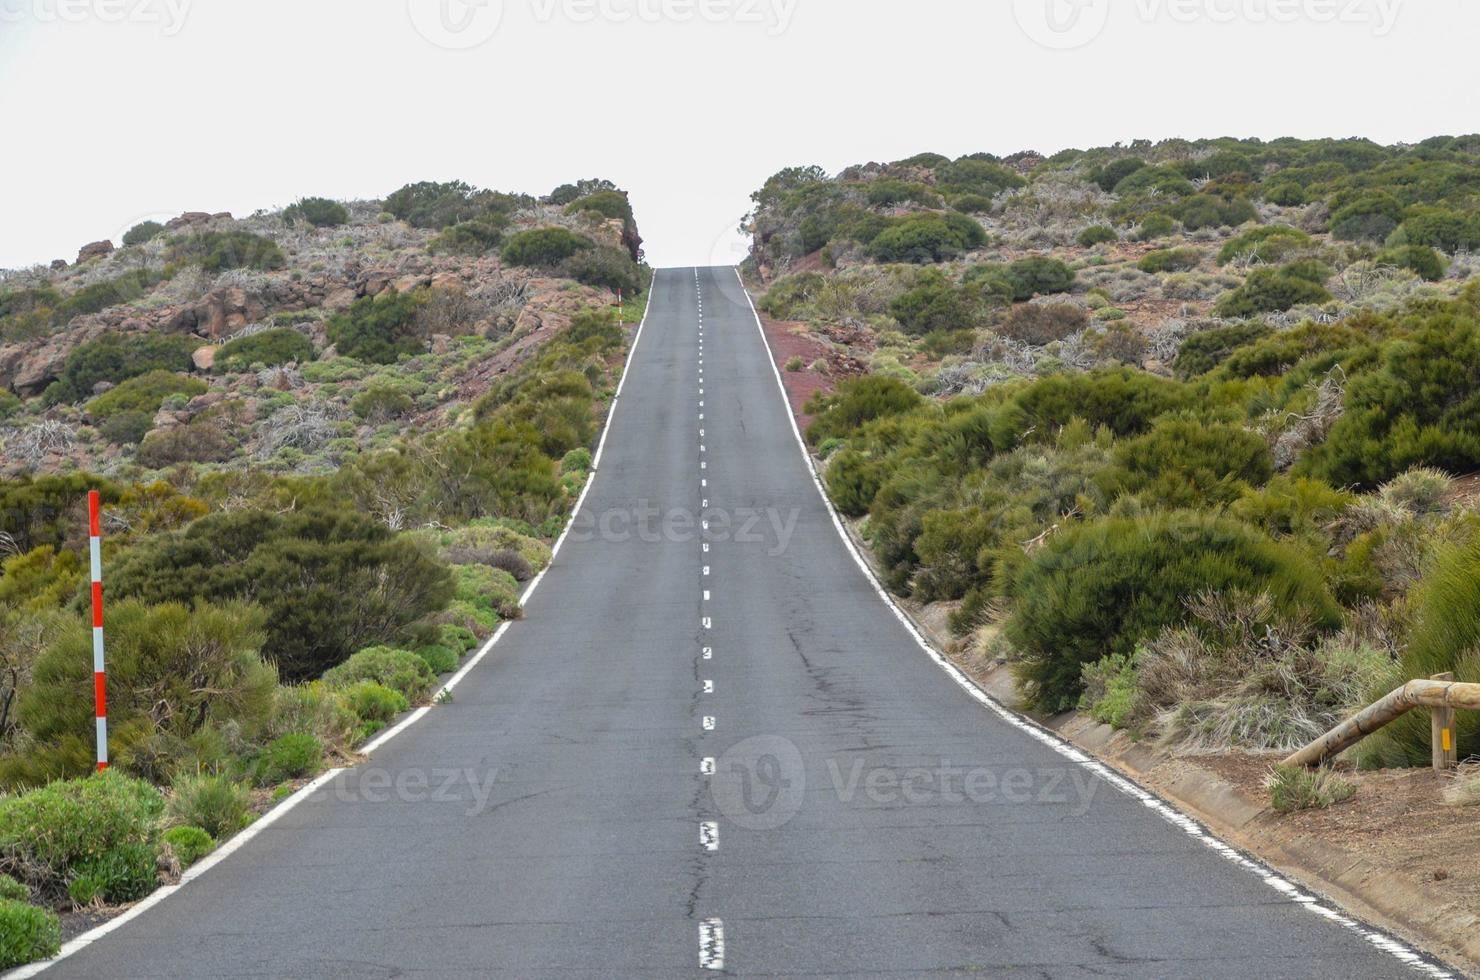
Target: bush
(1110, 691)
(1293, 788)
(10, 403)
(924, 238)
(1417, 407)
(99, 826)
(172, 670)
(27, 934)
(1209, 210)
(935, 303)
(1270, 291)
(440, 659)
(468, 238)
(1270, 243)
(144, 393)
(42, 578)
(218, 251)
(101, 295)
(578, 460)
(456, 637)
(543, 247)
(1039, 275)
(1287, 194)
(1125, 400)
(1112, 173)
(434, 205)
(608, 203)
(1187, 464)
(279, 345)
(381, 402)
(858, 401)
(293, 756)
(189, 844)
(1155, 226)
(1097, 235)
(13, 891)
(144, 231)
(317, 211)
(1103, 587)
(198, 442)
(216, 804)
(114, 358)
(1170, 260)
(1445, 639)
(1449, 231)
(330, 583)
(400, 670)
(375, 705)
(1420, 259)
(1043, 323)
(790, 295)
(1370, 215)
(378, 329)
(606, 268)
(1204, 351)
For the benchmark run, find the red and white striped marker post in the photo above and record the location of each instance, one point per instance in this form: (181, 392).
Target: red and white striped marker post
(100, 679)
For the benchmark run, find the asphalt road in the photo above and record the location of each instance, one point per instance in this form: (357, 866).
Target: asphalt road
(865, 815)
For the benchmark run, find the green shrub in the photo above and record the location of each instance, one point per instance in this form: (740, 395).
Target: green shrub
(10, 403)
(1293, 788)
(612, 204)
(217, 251)
(440, 659)
(400, 670)
(456, 638)
(13, 891)
(1277, 352)
(1204, 351)
(189, 844)
(1170, 260)
(99, 825)
(1103, 587)
(1212, 210)
(887, 192)
(1370, 215)
(317, 211)
(172, 669)
(1420, 259)
(935, 303)
(1111, 174)
(1158, 181)
(1448, 231)
(1125, 400)
(292, 756)
(380, 402)
(605, 267)
(330, 583)
(468, 238)
(270, 348)
(1155, 226)
(202, 441)
(429, 204)
(790, 295)
(379, 329)
(1186, 464)
(858, 401)
(42, 578)
(114, 358)
(1270, 291)
(970, 175)
(217, 804)
(1417, 407)
(578, 460)
(144, 393)
(543, 247)
(924, 238)
(27, 934)
(1038, 275)
(144, 231)
(1110, 691)
(1097, 235)
(375, 705)
(1287, 194)
(101, 295)
(1269, 243)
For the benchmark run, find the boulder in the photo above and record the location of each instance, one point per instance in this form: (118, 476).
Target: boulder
(340, 299)
(94, 250)
(204, 357)
(188, 220)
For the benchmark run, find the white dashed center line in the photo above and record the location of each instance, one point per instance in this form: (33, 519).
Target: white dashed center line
(708, 723)
(712, 944)
(709, 835)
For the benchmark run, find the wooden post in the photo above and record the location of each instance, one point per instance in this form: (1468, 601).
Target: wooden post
(1445, 751)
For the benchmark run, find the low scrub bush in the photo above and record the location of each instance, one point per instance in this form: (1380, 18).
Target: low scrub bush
(1111, 174)
(1267, 244)
(430, 204)
(1170, 260)
(317, 211)
(400, 670)
(1106, 586)
(1204, 351)
(1441, 228)
(1040, 324)
(1271, 291)
(270, 348)
(1096, 235)
(1188, 464)
(605, 267)
(293, 756)
(202, 441)
(856, 402)
(935, 303)
(1155, 226)
(380, 402)
(189, 844)
(1418, 259)
(98, 826)
(379, 329)
(218, 251)
(1038, 275)
(468, 238)
(13, 891)
(923, 238)
(114, 358)
(215, 803)
(375, 705)
(1213, 210)
(543, 247)
(1294, 788)
(144, 394)
(440, 659)
(144, 231)
(27, 934)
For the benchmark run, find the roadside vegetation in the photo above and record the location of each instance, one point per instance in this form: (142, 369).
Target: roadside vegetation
(332, 451)
(1185, 433)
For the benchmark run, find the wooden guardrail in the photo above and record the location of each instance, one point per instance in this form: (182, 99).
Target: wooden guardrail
(1441, 695)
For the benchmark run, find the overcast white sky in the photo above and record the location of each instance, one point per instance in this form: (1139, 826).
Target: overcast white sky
(119, 110)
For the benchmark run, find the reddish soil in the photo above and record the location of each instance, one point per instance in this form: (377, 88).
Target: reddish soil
(789, 340)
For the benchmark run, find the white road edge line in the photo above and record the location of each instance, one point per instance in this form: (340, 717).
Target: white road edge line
(229, 848)
(1397, 949)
